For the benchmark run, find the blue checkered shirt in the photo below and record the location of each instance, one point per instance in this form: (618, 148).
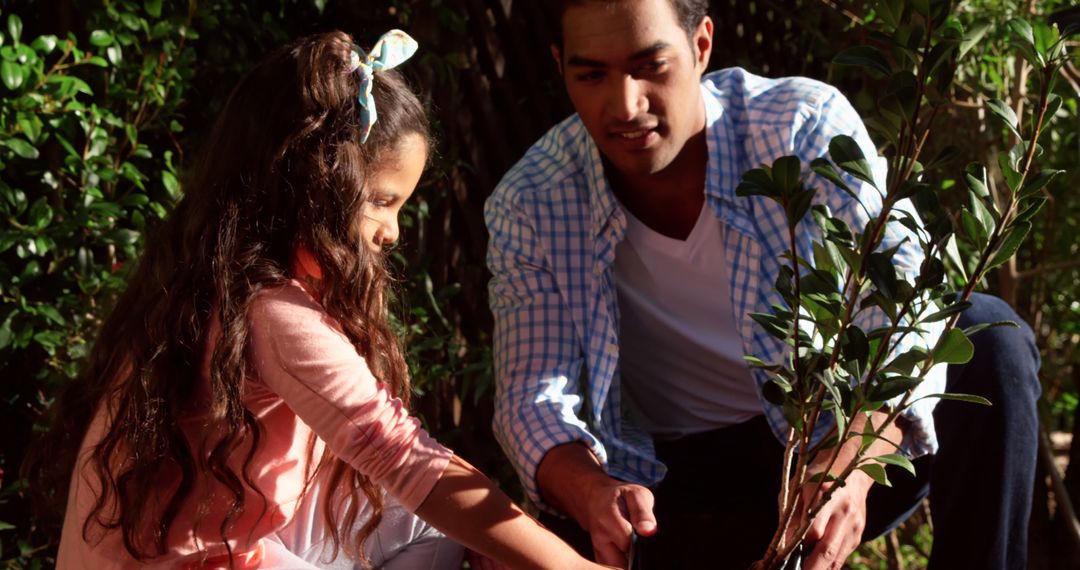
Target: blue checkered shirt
(554, 224)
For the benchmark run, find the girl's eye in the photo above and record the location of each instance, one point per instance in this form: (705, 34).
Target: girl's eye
(380, 202)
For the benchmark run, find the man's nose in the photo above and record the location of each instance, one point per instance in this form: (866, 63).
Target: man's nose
(627, 100)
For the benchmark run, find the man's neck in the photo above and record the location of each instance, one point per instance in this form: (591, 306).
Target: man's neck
(669, 201)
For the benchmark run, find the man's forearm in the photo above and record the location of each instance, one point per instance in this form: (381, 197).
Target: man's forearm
(565, 476)
(848, 449)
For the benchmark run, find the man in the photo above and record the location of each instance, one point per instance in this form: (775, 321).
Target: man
(624, 268)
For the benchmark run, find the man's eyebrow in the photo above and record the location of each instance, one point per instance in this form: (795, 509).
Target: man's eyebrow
(578, 61)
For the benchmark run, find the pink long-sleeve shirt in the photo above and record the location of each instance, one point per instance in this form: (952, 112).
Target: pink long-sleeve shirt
(308, 379)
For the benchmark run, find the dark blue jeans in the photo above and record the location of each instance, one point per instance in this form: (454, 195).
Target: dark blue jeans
(716, 508)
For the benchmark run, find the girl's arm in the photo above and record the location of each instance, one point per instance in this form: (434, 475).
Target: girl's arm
(303, 356)
(468, 508)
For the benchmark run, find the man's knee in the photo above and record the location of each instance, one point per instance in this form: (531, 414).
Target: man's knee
(1006, 359)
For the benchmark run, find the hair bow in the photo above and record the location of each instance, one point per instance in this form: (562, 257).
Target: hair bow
(392, 49)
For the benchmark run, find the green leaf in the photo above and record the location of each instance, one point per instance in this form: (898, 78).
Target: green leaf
(1006, 114)
(775, 392)
(798, 205)
(856, 346)
(983, 326)
(30, 124)
(945, 156)
(15, 27)
(931, 273)
(773, 325)
(1033, 184)
(972, 37)
(100, 38)
(51, 314)
(825, 169)
(172, 186)
(986, 212)
(891, 387)
(876, 472)
(6, 336)
(153, 7)
(973, 229)
(44, 44)
(785, 172)
(953, 348)
(845, 152)
(96, 60)
(1030, 209)
(947, 312)
(961, 398)
(1008, 168)
(897, 460)
(1010, 244)
(883, 274)
(891, 11)
(975, 175)
(1022, 30)
(22, 148)
(864, 56)
(906, 361)
(115, 54)
(12, 74)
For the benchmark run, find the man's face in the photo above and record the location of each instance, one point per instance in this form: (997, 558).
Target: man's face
(633, 77)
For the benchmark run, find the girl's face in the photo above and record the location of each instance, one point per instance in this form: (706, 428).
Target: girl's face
(391, 187)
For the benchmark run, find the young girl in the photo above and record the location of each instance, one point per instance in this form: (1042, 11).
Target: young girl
(245, 403)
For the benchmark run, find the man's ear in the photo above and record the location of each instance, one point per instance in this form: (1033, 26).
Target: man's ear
(557, 55)
(703, 42)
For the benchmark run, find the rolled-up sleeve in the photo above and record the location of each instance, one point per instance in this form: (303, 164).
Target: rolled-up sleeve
(538, 355)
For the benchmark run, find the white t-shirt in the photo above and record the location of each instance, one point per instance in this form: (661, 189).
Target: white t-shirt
(680, 354)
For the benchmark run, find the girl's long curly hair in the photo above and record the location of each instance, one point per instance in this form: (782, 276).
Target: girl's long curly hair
(283, 167)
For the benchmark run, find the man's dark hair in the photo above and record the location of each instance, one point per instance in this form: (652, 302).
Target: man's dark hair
(688, 12)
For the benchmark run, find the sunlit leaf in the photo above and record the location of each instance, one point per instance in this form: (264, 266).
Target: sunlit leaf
(100, 38)
(12, 74)
(953, 348)
(845, 152)
(897, 460)
(876, 472)
(960, 398)
(15, 27)
(975, 176)
(1004, 112)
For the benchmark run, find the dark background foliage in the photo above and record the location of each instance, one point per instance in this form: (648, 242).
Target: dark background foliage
(104, 104)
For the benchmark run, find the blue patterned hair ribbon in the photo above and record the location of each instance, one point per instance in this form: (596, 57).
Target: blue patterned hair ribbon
(392, 49)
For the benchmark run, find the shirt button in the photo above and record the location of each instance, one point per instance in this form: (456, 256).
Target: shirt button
(612, 349)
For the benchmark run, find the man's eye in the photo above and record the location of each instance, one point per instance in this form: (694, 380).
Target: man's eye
(590, 76)
(653, 67)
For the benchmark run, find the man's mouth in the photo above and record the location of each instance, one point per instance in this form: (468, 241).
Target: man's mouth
(634, 134)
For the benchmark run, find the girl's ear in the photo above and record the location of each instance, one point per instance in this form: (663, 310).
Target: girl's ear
(305, 265)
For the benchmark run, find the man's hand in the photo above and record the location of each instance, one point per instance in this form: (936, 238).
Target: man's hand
(572, 480)
(612, 510)
(837, 529)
